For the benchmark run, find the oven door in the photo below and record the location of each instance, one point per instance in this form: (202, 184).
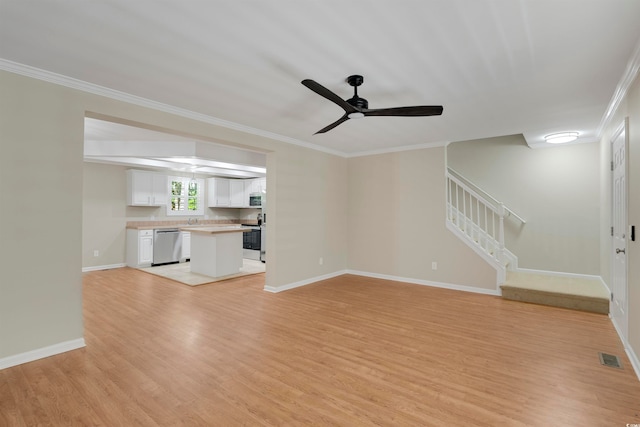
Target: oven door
(251, 240)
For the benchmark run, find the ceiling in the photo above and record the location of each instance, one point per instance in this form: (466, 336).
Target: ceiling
(116, 143)
(499, 67)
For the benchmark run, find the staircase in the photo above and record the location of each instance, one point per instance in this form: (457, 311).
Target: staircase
(477, 218)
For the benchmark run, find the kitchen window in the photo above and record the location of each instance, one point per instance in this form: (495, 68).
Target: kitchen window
(185, 196)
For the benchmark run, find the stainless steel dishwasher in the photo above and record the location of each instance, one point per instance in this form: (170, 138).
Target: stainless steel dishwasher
(167, 246)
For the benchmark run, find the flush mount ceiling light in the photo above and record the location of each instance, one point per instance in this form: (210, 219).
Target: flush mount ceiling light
(561, 138)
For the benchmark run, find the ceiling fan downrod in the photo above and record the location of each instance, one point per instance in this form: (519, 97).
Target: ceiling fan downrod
(356, 101)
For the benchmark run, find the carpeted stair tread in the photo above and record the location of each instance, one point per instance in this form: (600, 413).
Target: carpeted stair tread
(559, 291)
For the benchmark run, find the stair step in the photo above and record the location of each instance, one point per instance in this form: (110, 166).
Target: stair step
(559, 291)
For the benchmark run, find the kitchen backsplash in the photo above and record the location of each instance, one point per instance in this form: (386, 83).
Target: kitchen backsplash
(134, 224)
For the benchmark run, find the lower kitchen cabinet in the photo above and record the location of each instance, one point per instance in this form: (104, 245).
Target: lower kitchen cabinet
(139, 248)
(186, 246)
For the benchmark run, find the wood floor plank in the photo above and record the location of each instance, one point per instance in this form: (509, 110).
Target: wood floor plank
(345, 351)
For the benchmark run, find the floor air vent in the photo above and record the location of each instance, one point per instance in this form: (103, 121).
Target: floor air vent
(610, 360)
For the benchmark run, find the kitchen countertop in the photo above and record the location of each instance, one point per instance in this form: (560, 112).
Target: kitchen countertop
(215, 229)
(138, 226)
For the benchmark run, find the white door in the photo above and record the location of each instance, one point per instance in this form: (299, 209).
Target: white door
(618, 307)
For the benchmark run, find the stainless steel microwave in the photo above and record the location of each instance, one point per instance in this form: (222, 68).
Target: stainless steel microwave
(255, 199)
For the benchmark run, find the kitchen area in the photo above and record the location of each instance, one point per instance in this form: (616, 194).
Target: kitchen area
(155, 201)
(212, 248)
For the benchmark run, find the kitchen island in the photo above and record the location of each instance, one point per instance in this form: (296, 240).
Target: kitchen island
(216, 250)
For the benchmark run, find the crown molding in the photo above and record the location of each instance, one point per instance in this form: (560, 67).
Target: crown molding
(630, 74)
(62, 80)
(398, 149)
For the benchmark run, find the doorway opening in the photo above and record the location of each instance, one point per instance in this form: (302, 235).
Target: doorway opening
(114, 148)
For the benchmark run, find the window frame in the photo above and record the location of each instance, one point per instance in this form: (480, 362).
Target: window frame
(199, 197)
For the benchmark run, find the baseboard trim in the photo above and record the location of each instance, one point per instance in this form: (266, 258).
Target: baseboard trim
(633, 358)
(41, 353)
(276, 289)
(635, 363)
(103, 267)
(451, 286)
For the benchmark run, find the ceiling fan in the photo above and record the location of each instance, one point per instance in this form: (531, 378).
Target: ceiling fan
(356, 107)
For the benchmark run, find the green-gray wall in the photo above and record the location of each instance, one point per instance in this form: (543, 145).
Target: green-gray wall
(379, 214)
(629, 107)
(556, 190)
(42, 136)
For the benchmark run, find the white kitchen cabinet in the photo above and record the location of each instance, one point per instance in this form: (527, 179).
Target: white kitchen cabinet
(145, 247)
(146, 188)
(248, 188)
(233, 193)
(238, 199)
(186, 246)
(139, 248)
(218, 193)
(253, 186)
(261, 184)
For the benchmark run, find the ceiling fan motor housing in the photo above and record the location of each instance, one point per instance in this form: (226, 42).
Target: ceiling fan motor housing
(358, 102)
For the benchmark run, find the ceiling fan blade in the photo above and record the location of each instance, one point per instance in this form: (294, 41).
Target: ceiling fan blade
(326, 93)
(417, 111)
(334, 124)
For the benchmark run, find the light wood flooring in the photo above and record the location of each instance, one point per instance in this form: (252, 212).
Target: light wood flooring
(347, 351)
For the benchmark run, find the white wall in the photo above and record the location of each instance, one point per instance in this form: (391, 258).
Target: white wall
(556, 190)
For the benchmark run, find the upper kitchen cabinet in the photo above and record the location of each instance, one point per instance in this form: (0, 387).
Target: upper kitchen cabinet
(146, 188)
(233, 193)
(257, 185)
(218, 193)
(236, 187)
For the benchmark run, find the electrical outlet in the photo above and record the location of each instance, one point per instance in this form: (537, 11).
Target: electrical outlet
(434, 265)
(320, 261)
(96, 253)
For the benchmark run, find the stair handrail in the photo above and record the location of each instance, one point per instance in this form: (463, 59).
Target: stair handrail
(461, 226)
(471, 187)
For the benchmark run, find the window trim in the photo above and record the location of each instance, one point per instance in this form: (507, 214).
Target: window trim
(199, 197)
